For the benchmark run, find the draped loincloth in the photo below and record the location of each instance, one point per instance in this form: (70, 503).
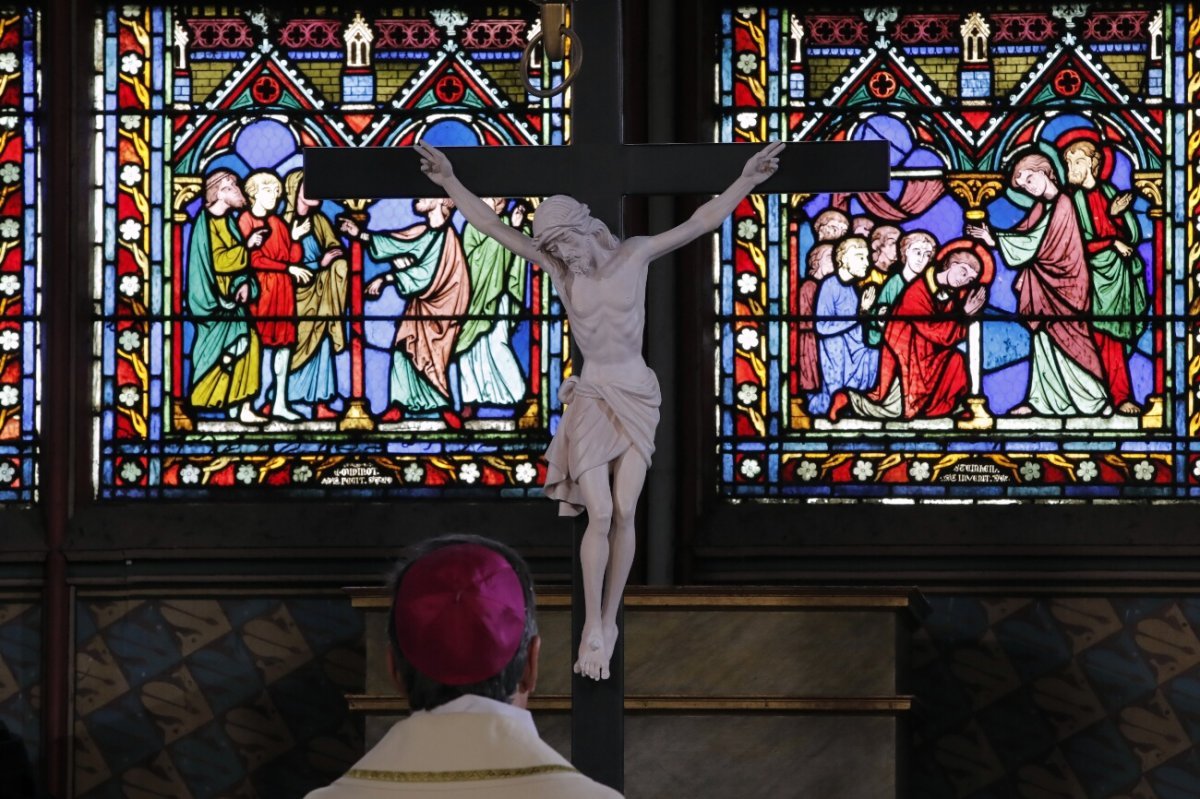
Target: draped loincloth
(601, 422)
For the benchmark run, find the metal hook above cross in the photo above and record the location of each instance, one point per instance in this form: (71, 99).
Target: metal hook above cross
(554, 35)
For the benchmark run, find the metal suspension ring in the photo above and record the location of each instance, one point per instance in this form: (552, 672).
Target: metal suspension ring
(575, 62)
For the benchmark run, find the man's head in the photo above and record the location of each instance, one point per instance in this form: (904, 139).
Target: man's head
(1034, 174)
(437, 210)
(830, 224)
(820, 261)
(852, 256)
(963, 264)
(960, 269)
(862, 226)
(566, 232)
(463, 622)
(297, 202)
(916, 248)
(221, 186)
(1083, 162)
(883, 246)
(264, 188)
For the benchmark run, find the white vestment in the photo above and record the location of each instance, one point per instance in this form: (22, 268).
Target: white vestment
(471, 747)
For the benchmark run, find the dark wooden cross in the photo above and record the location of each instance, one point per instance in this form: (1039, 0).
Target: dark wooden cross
(599, 169)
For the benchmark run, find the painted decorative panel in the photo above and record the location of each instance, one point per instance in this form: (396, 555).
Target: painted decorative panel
(206, 697)
(253, 340)
(21, 674)
(1031, 696)
(20, 255)
(1013, 318)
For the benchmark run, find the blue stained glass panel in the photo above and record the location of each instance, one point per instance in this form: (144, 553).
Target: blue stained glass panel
(304, 360)
(1009, 319)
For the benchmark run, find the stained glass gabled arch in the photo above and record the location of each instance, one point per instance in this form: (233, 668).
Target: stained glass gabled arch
(1043, 150)
(251, 341)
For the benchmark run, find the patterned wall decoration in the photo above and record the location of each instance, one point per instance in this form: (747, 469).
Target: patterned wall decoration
(21, 670)
(216, 697)
(855, 359)
(20, 255)
(1067, 697)
(1017, 696)
(272, 344)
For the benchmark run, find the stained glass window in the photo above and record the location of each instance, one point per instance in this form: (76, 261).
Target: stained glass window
(1015, 317)
(19, 255)
(250, 338)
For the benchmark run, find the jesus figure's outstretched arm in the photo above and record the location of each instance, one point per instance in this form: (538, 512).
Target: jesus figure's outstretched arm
(437, 168)
(709, 216)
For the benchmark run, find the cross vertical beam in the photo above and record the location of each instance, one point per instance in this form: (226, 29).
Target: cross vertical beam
(597, 118)
(597, 708)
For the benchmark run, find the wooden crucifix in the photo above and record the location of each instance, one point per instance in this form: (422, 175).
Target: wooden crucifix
(598, 169)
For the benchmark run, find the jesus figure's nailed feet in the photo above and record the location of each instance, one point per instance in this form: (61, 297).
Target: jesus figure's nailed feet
(592, 662)
(610, 641)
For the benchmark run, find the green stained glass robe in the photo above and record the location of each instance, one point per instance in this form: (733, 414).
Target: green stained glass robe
(226, 353)
(429, 270)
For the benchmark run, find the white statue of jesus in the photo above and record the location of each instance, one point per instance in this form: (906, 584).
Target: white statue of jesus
(600, 453)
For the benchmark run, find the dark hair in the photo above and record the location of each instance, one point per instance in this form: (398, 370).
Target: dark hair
(425, 693)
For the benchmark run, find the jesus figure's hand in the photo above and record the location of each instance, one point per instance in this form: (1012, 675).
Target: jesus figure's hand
(1123, 249)
(435, 164)
(763, 163)
(1120, 203)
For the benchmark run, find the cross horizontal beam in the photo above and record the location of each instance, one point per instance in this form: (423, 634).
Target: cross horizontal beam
(630, 169)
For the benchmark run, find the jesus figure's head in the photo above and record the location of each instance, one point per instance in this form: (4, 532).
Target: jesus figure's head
(570, 236)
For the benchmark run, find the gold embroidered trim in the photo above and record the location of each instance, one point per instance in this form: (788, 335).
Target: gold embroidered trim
(454, 776)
